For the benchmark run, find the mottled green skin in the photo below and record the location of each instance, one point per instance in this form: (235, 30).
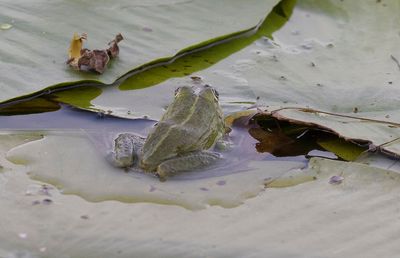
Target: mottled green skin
(190, 126)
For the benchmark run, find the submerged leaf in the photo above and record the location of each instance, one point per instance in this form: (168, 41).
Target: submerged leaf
(344, 149)
(36, 105)
(272, 142)
(77, 97)
(242, 116)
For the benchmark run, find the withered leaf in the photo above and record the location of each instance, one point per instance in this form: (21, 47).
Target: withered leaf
(113, 49)
(74, 51)
(84, 59)
(93, 60)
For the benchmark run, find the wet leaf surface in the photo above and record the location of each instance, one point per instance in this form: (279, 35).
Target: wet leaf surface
(33, 51)
(331, 67)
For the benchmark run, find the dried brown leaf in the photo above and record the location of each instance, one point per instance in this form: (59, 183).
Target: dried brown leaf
(96, 60)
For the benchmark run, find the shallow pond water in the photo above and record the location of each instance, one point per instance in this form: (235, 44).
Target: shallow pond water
(72, 156)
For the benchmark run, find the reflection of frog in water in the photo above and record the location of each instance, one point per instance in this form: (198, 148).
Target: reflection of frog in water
(179, 142)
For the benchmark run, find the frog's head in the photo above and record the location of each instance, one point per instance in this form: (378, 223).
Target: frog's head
(184, 91)
(206, 91)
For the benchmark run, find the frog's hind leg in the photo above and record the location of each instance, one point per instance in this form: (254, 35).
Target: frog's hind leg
(187, 162)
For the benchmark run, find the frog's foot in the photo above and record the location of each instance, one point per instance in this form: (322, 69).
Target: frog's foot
(126, 149)
(224, 145)
(187, 162)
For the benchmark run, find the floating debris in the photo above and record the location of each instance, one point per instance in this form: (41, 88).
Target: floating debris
(395, 60)
(336, 180)
(221, 182)
(96, 60)
(196, 79)
(36, 202)
(147, 29)
(47, 201)
(39, 190)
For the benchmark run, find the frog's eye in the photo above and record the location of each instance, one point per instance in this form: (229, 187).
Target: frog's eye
(177, 91)
(216, 94)
(184, 90)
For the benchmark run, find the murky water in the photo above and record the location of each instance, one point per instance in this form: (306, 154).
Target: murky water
(72, 156)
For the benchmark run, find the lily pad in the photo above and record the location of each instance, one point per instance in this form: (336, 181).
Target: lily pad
(341, 75)
(33, 52)
(162, 74)
(330, 66)
(113, 228)
(75, 160)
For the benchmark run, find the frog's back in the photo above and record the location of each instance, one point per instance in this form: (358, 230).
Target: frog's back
(191, 123)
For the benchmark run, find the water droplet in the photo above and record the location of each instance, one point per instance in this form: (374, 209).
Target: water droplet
(23, 235)
(295, 32)
(5, 26)
(147, 29)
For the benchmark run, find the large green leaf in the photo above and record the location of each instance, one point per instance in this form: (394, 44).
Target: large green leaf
(330, 57)
(34, 50)
(73, 162)
(331, 65)
(186, 62)
(344, 68)
(278, 222)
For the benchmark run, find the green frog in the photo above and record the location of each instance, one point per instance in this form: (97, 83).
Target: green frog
(181, 140)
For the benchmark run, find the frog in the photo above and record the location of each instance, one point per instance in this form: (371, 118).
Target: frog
(183, 138)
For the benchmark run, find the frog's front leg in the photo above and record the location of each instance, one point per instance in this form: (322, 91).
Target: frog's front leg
(186, 162)
(126, 149)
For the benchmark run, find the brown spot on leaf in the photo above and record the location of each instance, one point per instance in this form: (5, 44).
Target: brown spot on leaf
(221, 182)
